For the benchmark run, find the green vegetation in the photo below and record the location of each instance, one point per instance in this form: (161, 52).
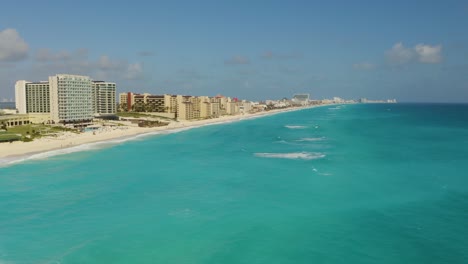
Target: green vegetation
(147, 123)
(133, 114)
(8, 137)
(30, 132)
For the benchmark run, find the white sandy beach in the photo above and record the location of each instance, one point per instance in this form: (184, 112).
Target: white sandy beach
(67, 140)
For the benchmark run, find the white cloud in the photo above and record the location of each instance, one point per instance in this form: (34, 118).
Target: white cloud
(237, 60)
(366, 66)
(44, 55)
(399, 54)
(429, 54)
(107, 64)
(77, 62)
(12, 46)
(134, 71)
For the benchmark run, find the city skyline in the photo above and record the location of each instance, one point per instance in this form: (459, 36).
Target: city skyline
(408, 51)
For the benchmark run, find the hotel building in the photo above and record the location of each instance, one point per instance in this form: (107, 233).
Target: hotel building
(32, 97)
(205, 107)
(103, 95)
(70, 98)
(65, 98)
(184, 107)
(300, 99)
(159, 103)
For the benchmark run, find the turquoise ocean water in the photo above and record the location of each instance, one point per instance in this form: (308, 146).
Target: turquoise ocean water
(337, 184)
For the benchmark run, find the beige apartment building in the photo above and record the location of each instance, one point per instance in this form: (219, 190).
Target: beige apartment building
(184, 107)
(205, 107)
(245, 107)
(123, 98)
(218, 106)
(159, 103)
(215, 109)
(188, 107)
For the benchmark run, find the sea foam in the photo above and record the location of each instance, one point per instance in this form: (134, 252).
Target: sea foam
(295, 127)
(85, 147)
(292, 155)
(99, 145)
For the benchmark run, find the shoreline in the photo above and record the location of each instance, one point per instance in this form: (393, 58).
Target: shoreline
(69, 142)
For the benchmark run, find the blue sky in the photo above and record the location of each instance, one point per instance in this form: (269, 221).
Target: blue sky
(409, 50)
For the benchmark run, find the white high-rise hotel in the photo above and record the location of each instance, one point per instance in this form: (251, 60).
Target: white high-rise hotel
(68, 98)
(32, 97)
(103, 94)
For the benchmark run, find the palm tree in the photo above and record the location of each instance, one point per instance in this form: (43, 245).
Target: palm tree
(138, 107)
(147, 107)
(123, 107)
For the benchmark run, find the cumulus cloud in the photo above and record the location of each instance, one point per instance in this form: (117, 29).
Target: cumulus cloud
(399, 54)
(77, 62)
(422, 53)
(45, 55)
(12, 46)
(237, 60)
(366, 66)
(108, 64)
(134, 71)
(429, 54)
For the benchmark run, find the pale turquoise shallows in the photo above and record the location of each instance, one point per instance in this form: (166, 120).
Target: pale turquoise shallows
(337, 184)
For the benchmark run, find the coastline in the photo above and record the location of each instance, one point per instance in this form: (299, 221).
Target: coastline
(15, 152)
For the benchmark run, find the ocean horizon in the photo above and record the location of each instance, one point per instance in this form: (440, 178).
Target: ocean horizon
(7, 105)
(361, 183)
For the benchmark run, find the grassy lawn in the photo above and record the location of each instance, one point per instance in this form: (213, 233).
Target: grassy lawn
(35, 131)
(132, 114)
(6, 137)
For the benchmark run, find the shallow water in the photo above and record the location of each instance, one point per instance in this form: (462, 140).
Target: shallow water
(349, 184)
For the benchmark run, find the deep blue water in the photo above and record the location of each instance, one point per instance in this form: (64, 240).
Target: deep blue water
(384, 183)
(7, 105)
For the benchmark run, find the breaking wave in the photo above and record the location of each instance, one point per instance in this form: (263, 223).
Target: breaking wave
(292, 155)
(295, 127)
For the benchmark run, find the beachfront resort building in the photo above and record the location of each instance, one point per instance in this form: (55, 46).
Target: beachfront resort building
(300, 99)
(70, 98)
(145, 102)
(184, 107)
(65, 98)
(32, 97)
(103, 96)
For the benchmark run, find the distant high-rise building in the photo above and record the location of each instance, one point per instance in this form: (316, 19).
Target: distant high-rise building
(70, 98)
(300, 99)
(123, 98)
